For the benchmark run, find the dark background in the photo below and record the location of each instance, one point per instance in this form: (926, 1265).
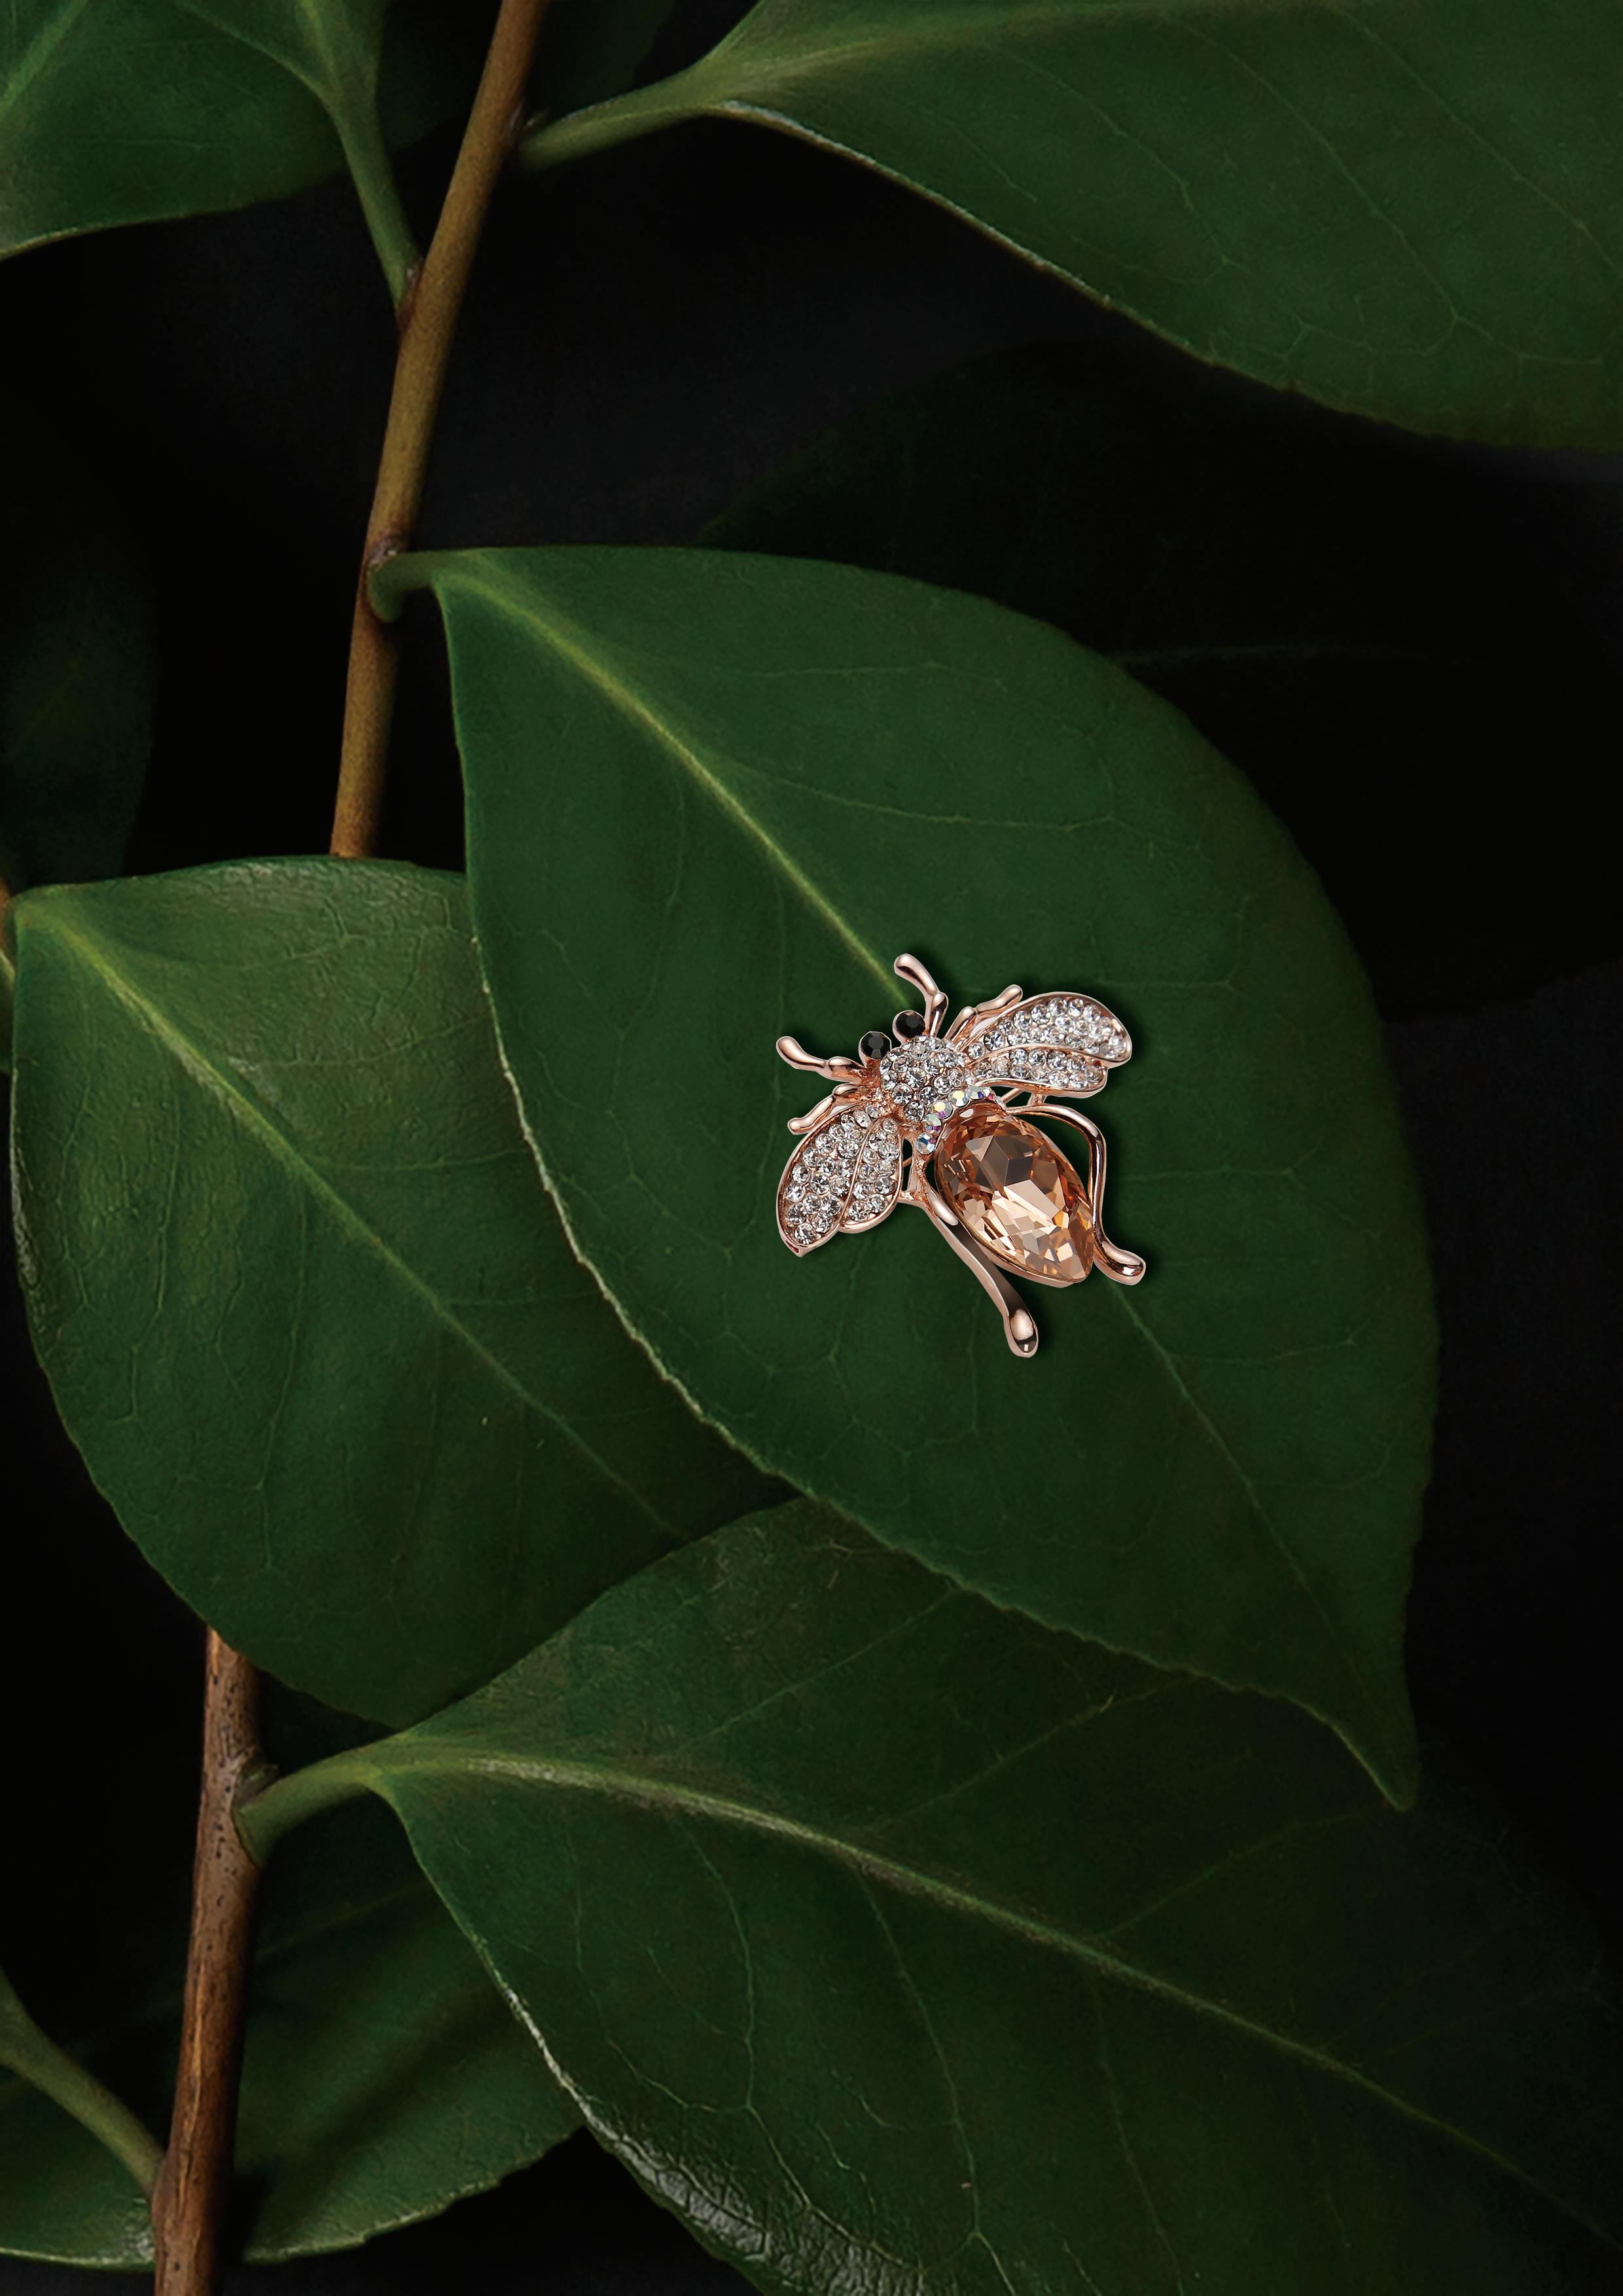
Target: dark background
(646, 334)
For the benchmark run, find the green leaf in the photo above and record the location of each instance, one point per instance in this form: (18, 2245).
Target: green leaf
(384, 2076)
(1413, 212)
(76, 672)
(1334, 612)
(126, 110)
(897, 1943)
(304, 1307)
(85, 2158)
(709, 796)
(589, 51)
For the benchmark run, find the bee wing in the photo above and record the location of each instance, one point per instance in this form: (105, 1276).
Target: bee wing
(1062, 1043)
(846, 1175)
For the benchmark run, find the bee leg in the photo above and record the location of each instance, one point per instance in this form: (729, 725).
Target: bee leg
(813, 1117)
(972, 1012)
(917, 976)
(839, 1097)
(839, 1069)
(1019, 1329)
(1110, 1258)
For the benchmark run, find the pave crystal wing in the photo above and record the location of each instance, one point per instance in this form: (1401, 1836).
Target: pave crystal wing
(1062, 1043)
(845, 1177)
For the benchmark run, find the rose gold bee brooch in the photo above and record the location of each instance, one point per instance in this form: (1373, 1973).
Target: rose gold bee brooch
(1005, 1199)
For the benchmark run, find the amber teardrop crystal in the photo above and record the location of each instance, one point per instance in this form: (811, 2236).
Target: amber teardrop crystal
(1016, 1194)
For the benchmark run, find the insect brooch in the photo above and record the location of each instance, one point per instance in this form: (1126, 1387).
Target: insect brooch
(999, 1191)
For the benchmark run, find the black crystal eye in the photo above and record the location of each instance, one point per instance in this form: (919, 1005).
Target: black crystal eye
(874, 1046)
(908, 1024)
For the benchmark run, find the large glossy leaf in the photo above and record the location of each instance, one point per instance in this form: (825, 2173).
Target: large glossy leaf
(124, 111)
(709, 798)
(899, 1944)
(1332, 609)
(384, 2076)
(304, 1307)
(1413, 211)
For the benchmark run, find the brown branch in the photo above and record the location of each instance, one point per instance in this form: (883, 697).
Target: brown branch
(194, 2183)
(190, 2202)
(427, 322)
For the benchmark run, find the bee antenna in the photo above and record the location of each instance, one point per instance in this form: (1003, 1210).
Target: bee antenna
(919, 977)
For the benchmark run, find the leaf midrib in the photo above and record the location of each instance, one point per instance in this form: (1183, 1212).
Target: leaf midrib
(573, 646)
(38, 53)
(376, 1767)
(802, 53)
(567, 640)
(328, 34)
(196, 1062)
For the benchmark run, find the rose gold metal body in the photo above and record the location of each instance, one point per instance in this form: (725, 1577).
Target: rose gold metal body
(1019, 1329)
(1121, 1267)
(1013, 1051)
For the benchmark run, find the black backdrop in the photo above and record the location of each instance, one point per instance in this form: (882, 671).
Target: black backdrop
(647, 333)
